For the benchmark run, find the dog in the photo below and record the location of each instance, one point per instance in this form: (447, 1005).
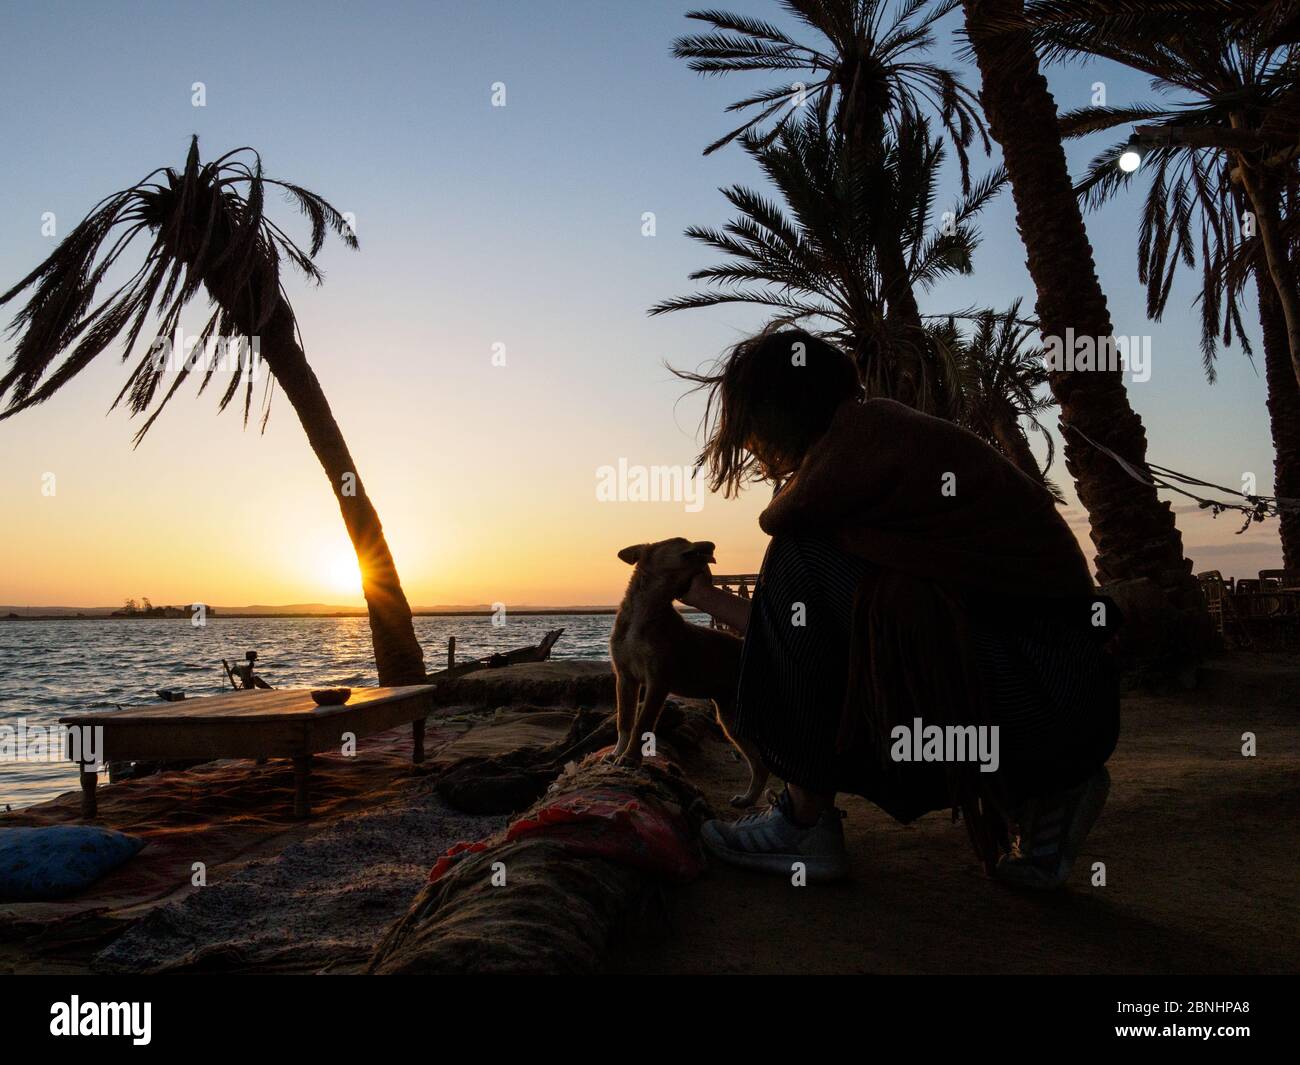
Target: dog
(656, 652)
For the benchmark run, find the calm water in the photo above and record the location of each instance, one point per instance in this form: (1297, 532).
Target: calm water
(50, 668)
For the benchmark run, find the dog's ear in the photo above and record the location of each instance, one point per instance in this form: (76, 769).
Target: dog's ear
(632, 555)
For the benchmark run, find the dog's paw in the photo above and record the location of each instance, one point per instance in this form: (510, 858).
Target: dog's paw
(628, 759)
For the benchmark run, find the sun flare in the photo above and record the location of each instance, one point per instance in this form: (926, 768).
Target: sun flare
(342, 574)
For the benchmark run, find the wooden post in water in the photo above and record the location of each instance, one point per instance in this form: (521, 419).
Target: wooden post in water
(451, 651)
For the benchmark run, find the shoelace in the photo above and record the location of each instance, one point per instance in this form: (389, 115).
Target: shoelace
(778, 803)
(773, 803)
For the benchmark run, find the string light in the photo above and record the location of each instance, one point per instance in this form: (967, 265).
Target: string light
(1255, 507)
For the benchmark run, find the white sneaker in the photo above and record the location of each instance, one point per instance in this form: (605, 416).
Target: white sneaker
(772, 842)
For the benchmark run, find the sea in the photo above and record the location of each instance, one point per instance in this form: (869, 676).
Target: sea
(52, 668)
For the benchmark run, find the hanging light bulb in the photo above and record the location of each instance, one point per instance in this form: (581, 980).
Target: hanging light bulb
(1131, 157)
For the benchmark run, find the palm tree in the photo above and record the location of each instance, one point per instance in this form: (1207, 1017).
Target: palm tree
(869, 73)
(868, 76)
(1241, 97)
(1132, 530)
(1192, 195)
(208, 231)
(821, 260)
(1233, 78)
(1002, 380)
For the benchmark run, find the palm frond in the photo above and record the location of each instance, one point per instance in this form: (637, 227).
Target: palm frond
(208, 231)
(868, 69)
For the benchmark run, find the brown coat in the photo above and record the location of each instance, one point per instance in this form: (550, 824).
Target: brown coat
(876, 481)
(955, 534)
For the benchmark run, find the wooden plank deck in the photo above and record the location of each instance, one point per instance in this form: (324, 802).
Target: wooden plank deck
(279, 723)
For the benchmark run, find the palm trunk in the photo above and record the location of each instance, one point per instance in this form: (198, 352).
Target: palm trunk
(1014, 446)
(917, 383)
(1132, 530)
(903, 323)
(398, 658)
(1268, 221)
(1283, 413)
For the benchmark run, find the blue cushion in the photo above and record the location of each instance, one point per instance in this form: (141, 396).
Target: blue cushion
(54, 862)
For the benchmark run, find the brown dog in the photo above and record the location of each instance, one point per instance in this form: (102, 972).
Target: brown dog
(657, 652)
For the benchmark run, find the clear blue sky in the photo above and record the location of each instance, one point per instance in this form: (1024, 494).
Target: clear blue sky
(518, 225)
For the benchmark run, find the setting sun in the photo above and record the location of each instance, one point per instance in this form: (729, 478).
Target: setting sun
(342, 574)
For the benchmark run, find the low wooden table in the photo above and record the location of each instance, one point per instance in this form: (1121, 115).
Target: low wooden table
(282, 723)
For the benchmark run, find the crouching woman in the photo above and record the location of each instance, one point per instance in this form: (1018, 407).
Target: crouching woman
(925, 632)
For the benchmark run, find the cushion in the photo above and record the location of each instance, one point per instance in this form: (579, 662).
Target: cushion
(58, 861)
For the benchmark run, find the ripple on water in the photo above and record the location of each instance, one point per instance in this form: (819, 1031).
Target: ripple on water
(53, 668)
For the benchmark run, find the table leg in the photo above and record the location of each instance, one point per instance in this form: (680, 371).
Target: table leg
(417, 736)
(302, 786)
(89, 804)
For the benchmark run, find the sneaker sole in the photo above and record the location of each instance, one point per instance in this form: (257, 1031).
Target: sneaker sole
(818, 870)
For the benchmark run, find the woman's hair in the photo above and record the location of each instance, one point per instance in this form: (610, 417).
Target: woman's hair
(769, 397)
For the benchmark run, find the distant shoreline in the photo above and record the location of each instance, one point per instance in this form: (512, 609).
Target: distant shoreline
(222, 615)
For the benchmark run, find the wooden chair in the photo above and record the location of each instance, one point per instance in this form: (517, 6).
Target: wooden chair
(1286, 579)
(243, 677)
(1223, 612)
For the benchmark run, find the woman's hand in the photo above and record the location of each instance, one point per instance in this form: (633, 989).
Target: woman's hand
(697, 593)
(723, 605)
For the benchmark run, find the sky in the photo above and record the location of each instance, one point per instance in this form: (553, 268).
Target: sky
(512, 234)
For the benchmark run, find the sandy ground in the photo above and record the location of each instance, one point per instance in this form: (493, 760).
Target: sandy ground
(1198, 844)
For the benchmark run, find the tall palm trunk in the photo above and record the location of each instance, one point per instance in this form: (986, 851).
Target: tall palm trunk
(1132, 530)
(1283, 412)
(398, 658)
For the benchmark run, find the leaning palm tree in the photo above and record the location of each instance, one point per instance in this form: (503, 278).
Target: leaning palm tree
(815, 256)
(1002, 381)
(1133, 531)
(867, 74)
(208, 231)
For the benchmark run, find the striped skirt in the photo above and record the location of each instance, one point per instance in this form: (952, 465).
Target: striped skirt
(1047, 686)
